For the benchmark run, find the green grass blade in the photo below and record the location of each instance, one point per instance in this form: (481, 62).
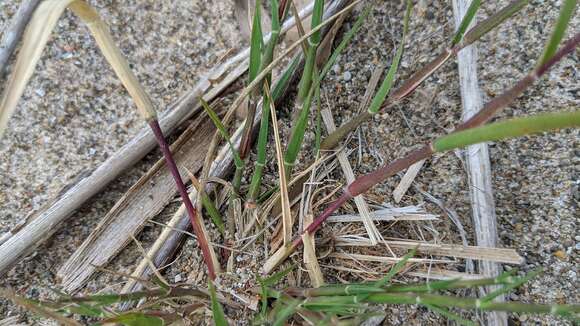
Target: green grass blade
(396, 269)
(277, 277)
(471, 11)
(255, 43)
(270, 281)
(345, 40)
(285, 79)
(310, 61)
(278, 90)
(213, 213)
(449, 315)
(318, 131)
(491, 22)
(268, 53)
(508, 129)
(566, 13)
(297, 136)
(387, 84)
(256, 181)
(506, 288)
(317, 13)
(136, 319)
(219, 316)
(285, 311)
(222, 129)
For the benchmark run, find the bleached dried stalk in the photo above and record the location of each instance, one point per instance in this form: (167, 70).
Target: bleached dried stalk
(310, 260)
(503, 255)
(361, 205)
(408, 213)
(406, 181)
(383, 259)
(478, 164)
(13, 32)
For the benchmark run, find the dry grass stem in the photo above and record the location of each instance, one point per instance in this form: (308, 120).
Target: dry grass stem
(406, 181)
(310, 260)
(508, 256)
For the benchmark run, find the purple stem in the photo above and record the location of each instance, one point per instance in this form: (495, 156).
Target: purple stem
(191, 211)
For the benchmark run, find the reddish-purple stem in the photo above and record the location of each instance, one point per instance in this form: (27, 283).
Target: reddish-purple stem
(491, 108)
(364, 183)
(191, 211)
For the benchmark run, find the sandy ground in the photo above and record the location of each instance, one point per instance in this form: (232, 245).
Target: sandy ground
(75, 113)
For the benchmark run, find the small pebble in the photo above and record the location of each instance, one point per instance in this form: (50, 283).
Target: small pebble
(560, 254)
(40, 92)
(346, 75)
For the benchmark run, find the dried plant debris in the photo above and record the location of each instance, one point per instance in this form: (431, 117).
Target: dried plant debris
(333, 117)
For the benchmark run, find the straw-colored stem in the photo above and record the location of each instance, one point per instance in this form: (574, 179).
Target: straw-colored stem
(114, 56)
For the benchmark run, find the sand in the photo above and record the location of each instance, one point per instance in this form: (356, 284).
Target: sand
(75, 113)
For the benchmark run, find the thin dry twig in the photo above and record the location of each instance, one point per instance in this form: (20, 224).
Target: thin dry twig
(14, 31)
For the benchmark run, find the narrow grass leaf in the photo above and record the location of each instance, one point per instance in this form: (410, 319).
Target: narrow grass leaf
(345, 41)
(84, 309)
(318, 130)
(270, 281)
(285, 311)
(219, 316)
(566, 13)
(222, 129)
(208, 204)
(136, 319)
(448, 314)
(516, 127)
(396, 269)
(284, 80)
(508, 287)
(36, 308)
(279, 88)
(491, 22)
(277, 277)
(388, 82)
(255, 43)
(467, 19)
(310, 61)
